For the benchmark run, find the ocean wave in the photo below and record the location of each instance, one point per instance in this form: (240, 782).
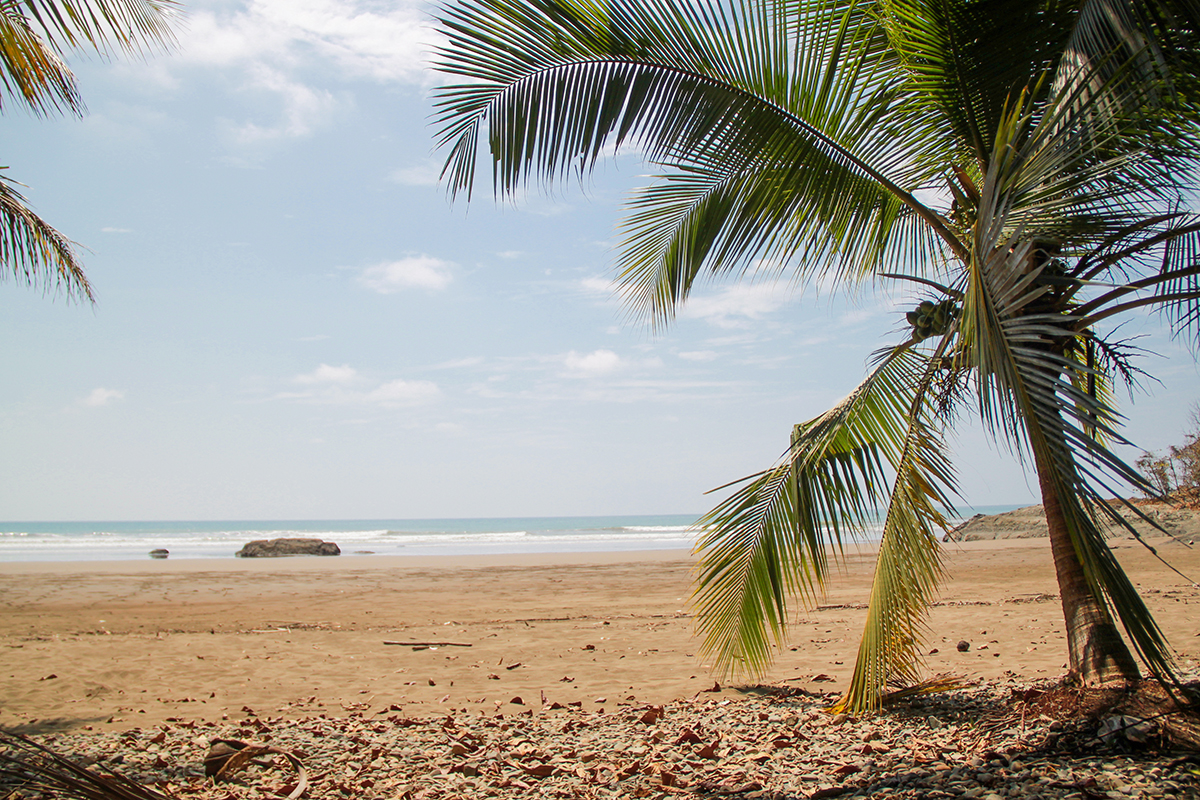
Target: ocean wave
(659, 528)
(426, 537)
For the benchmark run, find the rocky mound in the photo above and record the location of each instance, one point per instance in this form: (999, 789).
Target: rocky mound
(272, 548)
(1179, 522)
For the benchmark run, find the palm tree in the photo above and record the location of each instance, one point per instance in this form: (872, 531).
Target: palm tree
(1020, 163)
(35, 36)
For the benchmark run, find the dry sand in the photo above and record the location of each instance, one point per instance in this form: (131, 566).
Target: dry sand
(122, 645)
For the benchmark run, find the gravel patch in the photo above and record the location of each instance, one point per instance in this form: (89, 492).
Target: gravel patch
(989, 741)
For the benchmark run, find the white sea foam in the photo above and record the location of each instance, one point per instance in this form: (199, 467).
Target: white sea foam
(92, 541)
(660, 528)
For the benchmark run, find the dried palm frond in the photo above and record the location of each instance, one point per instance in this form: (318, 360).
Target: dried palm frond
(27, 765)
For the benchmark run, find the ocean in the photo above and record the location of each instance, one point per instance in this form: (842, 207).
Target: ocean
(116, 541)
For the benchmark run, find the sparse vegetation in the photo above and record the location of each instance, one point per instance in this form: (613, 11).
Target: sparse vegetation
(1176, 475)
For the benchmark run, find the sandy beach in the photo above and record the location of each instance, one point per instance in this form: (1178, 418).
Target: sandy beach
(127, 644)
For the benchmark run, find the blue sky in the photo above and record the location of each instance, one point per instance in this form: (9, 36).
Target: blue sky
(293, 320)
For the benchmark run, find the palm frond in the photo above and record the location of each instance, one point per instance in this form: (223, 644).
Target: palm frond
(36, 253)
(1156, 39)
(130, 26)
(785, 153)
(30, 71)
(36, 34)
(26, 765)
(772, 538)
(908, 568)
(1029, 393)
(964, 65)
(1160, 267)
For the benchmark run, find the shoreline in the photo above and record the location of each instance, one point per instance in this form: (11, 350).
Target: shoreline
(117, 645)
(369, 562)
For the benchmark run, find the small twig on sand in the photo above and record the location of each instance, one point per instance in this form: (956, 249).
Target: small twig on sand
(430, 644)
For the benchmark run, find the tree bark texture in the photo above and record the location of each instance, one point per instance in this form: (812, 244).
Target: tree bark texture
(1098, 654)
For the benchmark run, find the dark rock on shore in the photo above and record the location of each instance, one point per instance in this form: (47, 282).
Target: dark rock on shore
(1023, 523)
(272, 548)
(160, 552)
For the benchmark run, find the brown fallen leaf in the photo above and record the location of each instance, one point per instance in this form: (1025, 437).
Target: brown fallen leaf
(651, 715)
(709, 750)
(668, 778)
(513, 666)
(538, 770)
(688, 736)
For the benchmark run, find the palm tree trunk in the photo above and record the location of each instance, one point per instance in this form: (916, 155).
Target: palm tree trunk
(1097, 652)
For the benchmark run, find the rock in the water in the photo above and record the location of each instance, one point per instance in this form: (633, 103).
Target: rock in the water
(270, 548)
(159, 552)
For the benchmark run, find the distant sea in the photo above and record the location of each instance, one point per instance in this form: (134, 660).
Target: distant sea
(116, 541)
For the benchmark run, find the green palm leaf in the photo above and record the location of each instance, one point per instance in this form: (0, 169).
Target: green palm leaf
(908, 568)
(28, 245)
(34, 37)
(36, 34)
(773, 537)
(785, 154)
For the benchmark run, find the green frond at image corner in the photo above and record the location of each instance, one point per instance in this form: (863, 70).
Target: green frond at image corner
(35, 38)
(1026, 191)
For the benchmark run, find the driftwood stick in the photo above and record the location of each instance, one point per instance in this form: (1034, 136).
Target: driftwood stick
(430, 644)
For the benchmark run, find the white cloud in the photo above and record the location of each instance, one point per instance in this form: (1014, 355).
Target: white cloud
(423, 174)
(267, 45)
(329, 385)
(595, 285)
(511, 255)
(398, 393)
(460, 363)
(415, 272)
(358, 38)
(326, 374)
(598, 362)
(698, 355)
(303, 108)
(748, 301)
(102, 397)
